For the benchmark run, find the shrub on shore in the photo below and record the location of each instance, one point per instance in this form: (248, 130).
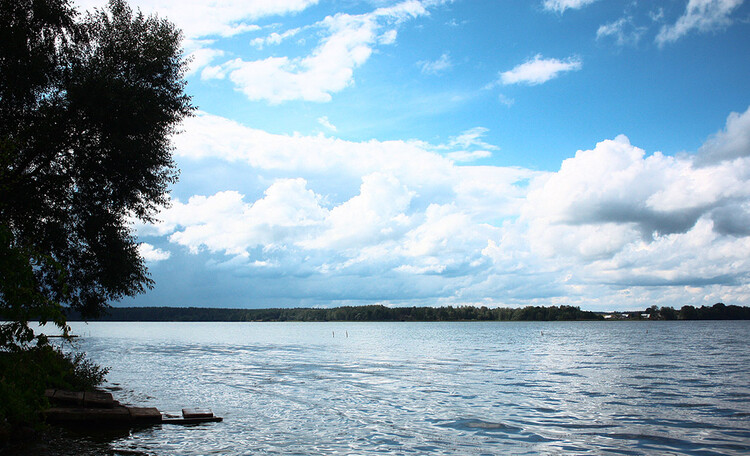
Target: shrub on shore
(25, 374)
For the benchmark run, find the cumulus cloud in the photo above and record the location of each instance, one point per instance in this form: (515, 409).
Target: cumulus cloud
(730, 143)
(436, 66)
(701, 16)
(614, 224)
(225, 223)
(377, 213)
(348, 43)
(615, 216)
(561, 5)
(414, 211)
(152, 254)
(688, 259)
(202, 57)
(617, 193)
(539, 70)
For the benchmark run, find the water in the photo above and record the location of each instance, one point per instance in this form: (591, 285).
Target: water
(491, 388)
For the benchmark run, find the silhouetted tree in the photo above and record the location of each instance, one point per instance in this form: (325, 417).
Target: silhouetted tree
(667, 313)
(688, 313)
(87, 108)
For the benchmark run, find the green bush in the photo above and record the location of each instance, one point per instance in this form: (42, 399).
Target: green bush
(25, 374)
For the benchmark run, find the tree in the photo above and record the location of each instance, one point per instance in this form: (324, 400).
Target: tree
(87, 109)
(668, 313)
(688, 313)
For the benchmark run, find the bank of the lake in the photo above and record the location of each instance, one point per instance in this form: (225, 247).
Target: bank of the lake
(718, 311)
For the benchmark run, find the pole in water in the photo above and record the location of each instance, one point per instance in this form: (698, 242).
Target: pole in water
(333, 334)
(347, 333)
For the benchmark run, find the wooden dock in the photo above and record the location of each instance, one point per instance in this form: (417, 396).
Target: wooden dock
(100, 409)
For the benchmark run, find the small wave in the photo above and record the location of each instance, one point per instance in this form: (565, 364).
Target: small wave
(474, 424)
(567, 374)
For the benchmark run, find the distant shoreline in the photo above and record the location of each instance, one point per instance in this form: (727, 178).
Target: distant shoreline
(381, 313)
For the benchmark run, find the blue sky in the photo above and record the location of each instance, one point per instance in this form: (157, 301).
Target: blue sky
(584, 152)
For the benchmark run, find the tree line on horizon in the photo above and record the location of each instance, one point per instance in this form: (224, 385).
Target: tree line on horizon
(718, 311)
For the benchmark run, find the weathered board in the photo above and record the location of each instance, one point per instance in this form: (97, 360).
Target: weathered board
(212, 419)
(98, 408)
(145, 414)
(98, 416)
(98, 399)
(197, 413)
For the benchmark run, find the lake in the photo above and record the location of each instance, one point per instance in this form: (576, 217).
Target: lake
(473, 388)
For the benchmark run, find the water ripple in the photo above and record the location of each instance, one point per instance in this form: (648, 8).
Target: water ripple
(430, 388)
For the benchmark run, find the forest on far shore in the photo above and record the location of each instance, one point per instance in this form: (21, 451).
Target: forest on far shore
(718, 311)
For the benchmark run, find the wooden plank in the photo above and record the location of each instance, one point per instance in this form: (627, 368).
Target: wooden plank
(99, 399)
(68, 397)
(197, 413)
(145, 414)
(211, 419)
(97, 416)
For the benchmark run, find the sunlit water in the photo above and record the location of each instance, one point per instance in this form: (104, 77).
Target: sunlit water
(428, 388)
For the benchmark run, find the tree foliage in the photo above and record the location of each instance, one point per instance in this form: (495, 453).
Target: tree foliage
(88, 105)
(718, 311)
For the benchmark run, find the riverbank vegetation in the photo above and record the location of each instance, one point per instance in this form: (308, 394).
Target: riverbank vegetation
(25, 374)
(381, 313)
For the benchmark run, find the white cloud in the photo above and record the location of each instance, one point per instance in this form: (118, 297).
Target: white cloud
(615, 183)
(700, 15)
(614, 216)
(225, 223)
(623, 31)
(469, 138)
(388, 37)
(329, 69)
(507, 101)
(698, 257)
(409, 213)
(465, 156)
(152, 254)
(656, 15)
(561, 5)
(409, 224)
(198, 18)
(730, 143)
(274, 38)
(326, 123)
(436, 66)
(539, 70)
(202, 57)
(376, 214)
(213, 136)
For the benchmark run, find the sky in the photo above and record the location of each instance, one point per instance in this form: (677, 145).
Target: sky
(593, 153)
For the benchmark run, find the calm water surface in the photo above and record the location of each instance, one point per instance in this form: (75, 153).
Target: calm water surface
(429, 388)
